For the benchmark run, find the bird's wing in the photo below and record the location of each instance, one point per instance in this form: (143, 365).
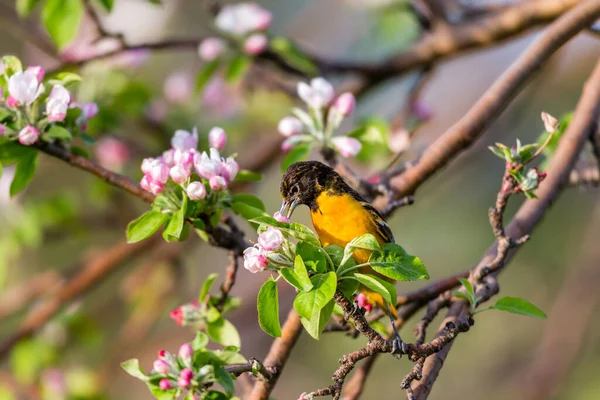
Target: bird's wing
(383, 229)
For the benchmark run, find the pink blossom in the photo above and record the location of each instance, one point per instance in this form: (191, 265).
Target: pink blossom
(24, 87)
(217, 138)
(318, 94)
(211, 48)
(281, 218)
(178, 87)
(184, 157)
(229, 169)
(345, 104)
(38, 71)
(363, 302)
(292, 141)
(28, 135)
(157, 110)
(179, 173)
(12, 102)
(289, 126)
(112, 153)
(58, 103)
(254, 260)
(196, 191)
(159, 171)
(243, 18)
(217, 183)
(183, 383)
(256, 44)
(156, 188)
(2, 129)
(271, 239)
(162, 354)
(186, 373)
(184, 140)
(90, 110)
(145, 183)
(347, 146)
(161, 366)
(186, 351)
(164, 384)
(206, 166)
(147, 165)
(169, 157)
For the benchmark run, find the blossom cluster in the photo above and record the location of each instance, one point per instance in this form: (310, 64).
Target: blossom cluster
(310, 127)
(272, 248)
(25, 88)
(244, 21)
(177, 369)
(178, 164)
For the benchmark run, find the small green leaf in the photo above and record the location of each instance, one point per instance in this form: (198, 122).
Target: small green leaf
(312, 256)
(223, 332)
(132, 367)
(394, 262)
(309, 303)
(247, 211)
(11, 64)
(67, 79)
(268, 308)
(24, 172)
(520, 306)
(296, 230)
(61, 18)
(12, 152)
(248, 199)
(373, 135)
(200, 341)
(378, 285)
(292, 55)
(498, 152)
(237, 68)
(175, 225)
(213, 394)
(225, 380)
(470, 291)
(230, 357)
(366, 241)
(106, 4)
(244, 175)
(298, 153)
(159, 394)
(210, 279)
(145, 226)
(314, 326)
(206, 73)
(25, 7)
(58, 132)
(298, 277)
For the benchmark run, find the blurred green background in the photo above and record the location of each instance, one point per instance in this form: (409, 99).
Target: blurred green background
(66, 217)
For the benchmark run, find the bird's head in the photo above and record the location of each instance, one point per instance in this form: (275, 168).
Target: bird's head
(302, 183)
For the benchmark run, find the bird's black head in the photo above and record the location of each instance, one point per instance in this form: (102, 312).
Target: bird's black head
(303, 182)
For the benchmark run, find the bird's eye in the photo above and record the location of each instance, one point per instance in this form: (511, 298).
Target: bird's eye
(294, 189)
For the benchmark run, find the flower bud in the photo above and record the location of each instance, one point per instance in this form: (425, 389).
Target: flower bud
(196, 191)
(156, 188)
(256, 44)
(183, 383)
(347, 146)
(28, 135)
(58, 103)
(37, 71)
(289, 126)
(271, 239)
(162, 354)
(184, 140)
(363, 302)
(281, 218)
(229, 169)
(399, 140)
(186, 373)
(161, 366)
(211, 48)
(254, 260)
(164, 384)
(217, 183)
(217, 138)
(147, 165)
(24, 87)
(316, 95)
(90, 110)
(186, 351)
(345, 104)
(179, 173)
(184, 157)
(159, 171)
(145, 183)
(12, 102)
(169, 157)
(550, 123)
(205, 166)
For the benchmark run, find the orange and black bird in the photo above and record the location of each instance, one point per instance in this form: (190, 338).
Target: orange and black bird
(339, 214)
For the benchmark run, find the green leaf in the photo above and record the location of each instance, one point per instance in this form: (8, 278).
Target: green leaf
(175, 225)
(247, 211)
(292, 55)
(498, 152)
(366, 241)
(25, 7)
(132, 367)
(11, 64)
(200, 341)
(298, 153)
(373, 135)
(348, 287)
(248, 199)
(230, 357)
(268, 308)
(210, 279)
(24, 173)
(158, 393)
(378, 285)
(225, 380)
(314, 326)
(470, 291)
(214, 395)
(61, 18)
(244, 175)
(393, 261)
(312, 256)
(223, 332)
(4, 114)
(12, 152)
(298, 277)
(237, 68)
(520, 306)
(309, 303)
(106, 4)
(206, 73)
(67, 79)
(58, 132)
(145, 226)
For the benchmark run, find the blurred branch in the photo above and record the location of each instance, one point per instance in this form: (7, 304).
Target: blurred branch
(529, 214)
(471, 126)
(15, 298)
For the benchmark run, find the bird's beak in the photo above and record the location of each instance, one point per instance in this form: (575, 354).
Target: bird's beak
(287, 208)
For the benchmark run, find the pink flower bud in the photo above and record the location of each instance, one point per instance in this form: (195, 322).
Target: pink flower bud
(196, 191)
(179, 173)
(184, 140)
(159, 171)
(316, 95)
(256, 44)
(206, 166)
(24, 87)
(162, 354)
(177, 315)
(217, 138)
(363, 302)
(147, 165)
(178, 87)
(345, 104)
(58, 103)
(347, 146)
(229, 169)
(211, 48)
(420, 110)
(156, 188)
(186, 373)
(90, 110)
(289, 126)
(112, 153)
(263, 19)
(38, 72)
(145, 183)
(164, 384)
(186, 351)
(169, 157)
(217, 183)
(28, 135)
(292, 141)
(254, 260)
(2, 129)
(183, 383)
(271, 239)
(184, 157)
(281, 218)
(12, 102)
(161, 366)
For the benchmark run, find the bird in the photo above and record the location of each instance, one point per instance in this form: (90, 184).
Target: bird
(339, 214)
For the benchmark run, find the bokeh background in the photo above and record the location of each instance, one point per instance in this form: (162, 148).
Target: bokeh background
(66, 218)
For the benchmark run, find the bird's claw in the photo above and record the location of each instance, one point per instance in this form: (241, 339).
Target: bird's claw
(398, 347)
